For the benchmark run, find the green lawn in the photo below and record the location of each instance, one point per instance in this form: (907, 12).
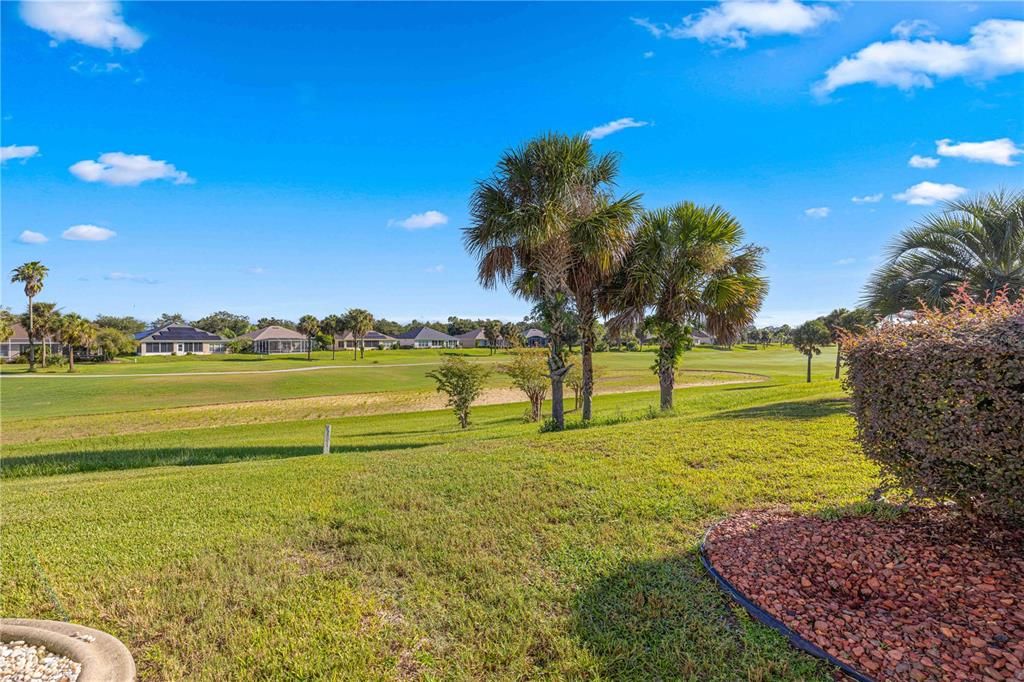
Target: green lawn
(417, 551)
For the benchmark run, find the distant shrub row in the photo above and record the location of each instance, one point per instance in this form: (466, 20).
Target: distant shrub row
(940, 404)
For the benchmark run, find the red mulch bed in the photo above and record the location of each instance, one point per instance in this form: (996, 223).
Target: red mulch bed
(927, 596)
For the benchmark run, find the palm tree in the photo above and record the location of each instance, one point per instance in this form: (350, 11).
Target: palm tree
(47, 323)
(808, 338)
(75, 332)
(492, 331)
(687, 266)
(309, 327)
(360, 323)
(333, 325)
(975, 242)
(543, 197)
(6, 325)
(840, 322)
(31, 274)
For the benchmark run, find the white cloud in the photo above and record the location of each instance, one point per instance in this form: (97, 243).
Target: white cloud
(435, 268)
(14, 151)
(118, 168)
(994, 49)
(88, 233)
(615, 126)
(256, 270)
(914, 28)
(918, 161)
(420, 221)
(732, 22)
(928, 193)
(128, 277)
(867, 199)
(999, 152)
(819, 212)
(648, 54)
(30, 237)
(846, 261)
(97, 23)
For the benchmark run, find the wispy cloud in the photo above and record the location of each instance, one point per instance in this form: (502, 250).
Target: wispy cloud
(918, 161)
(434, 269)
(818, 212)
(30, 237)
(928, 193)
(606, 129)
(118, 168)
(97, 24)
(88, 233)
(14, 151)
(421, 221)
(256, 270)
(648, 54)
(999, 152)
(992, 50)
(732, 22)
(868, 199)
(129, 277)
(845, 261)
(914, 28)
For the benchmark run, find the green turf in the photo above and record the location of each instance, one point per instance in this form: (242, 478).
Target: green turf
(417, 551)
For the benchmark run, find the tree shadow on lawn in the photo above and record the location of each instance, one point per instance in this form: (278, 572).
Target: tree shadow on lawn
(666, 619)
(115, 460)
(799, 409)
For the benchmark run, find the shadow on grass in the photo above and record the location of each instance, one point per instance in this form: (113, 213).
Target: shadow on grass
(809, 409)
(665, 619)
(114, 460)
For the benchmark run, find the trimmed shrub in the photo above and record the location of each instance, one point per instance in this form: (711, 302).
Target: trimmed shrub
(940, 404)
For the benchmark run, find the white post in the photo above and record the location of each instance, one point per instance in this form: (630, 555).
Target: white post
(327, 439)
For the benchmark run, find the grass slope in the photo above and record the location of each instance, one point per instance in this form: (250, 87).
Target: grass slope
(416, 551)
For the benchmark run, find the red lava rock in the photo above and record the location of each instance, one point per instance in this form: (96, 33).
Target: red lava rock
(927, 596)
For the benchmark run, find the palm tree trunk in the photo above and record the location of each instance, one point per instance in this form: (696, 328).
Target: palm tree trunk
(666, 376)
(71, 358)
(839, 357)
(309, 348)
(587, 314)
(31, 338)
(334, 347)
(355, 349)
(808, 368)
(362, 349)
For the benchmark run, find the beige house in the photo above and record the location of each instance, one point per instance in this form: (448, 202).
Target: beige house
(179, 339)
(425, 337)
(477, 339)
(18, 344)
(373, 339)
(273, 339)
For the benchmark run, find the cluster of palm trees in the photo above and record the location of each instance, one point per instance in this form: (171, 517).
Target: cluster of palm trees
(44, 320)
(549, 226)
(356, 320)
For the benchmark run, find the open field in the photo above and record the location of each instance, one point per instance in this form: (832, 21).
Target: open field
(418, 551)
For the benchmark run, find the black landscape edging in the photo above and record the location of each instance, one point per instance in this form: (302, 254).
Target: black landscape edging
(771, 621)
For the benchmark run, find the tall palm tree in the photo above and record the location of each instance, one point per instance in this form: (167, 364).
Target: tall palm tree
(688, 265)
(525, 218)
(309, 327)
(360, 323)
(30, 274)
(492, 331)
(976, 242)
(75, 332)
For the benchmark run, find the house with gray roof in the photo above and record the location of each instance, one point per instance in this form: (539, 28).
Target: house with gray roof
(478, 339)
(18, 344)
(179, 339)
(535, 338)
(373, 339)
(274, 339)
(425, 337)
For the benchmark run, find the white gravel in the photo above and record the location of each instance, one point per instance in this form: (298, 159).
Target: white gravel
(20, 662)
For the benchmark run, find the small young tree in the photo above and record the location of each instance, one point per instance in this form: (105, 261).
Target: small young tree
(808, 338)
(462, 382)
(529, 373)
(574, 380)
(309, 327)
(111, 342)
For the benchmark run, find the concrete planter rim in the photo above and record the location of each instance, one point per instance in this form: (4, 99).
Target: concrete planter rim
(105, 659)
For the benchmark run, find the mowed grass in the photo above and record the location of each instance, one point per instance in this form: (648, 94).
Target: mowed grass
(61, 394)
(419, 551)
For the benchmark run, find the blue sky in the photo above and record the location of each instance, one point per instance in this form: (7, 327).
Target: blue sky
(264, 157)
